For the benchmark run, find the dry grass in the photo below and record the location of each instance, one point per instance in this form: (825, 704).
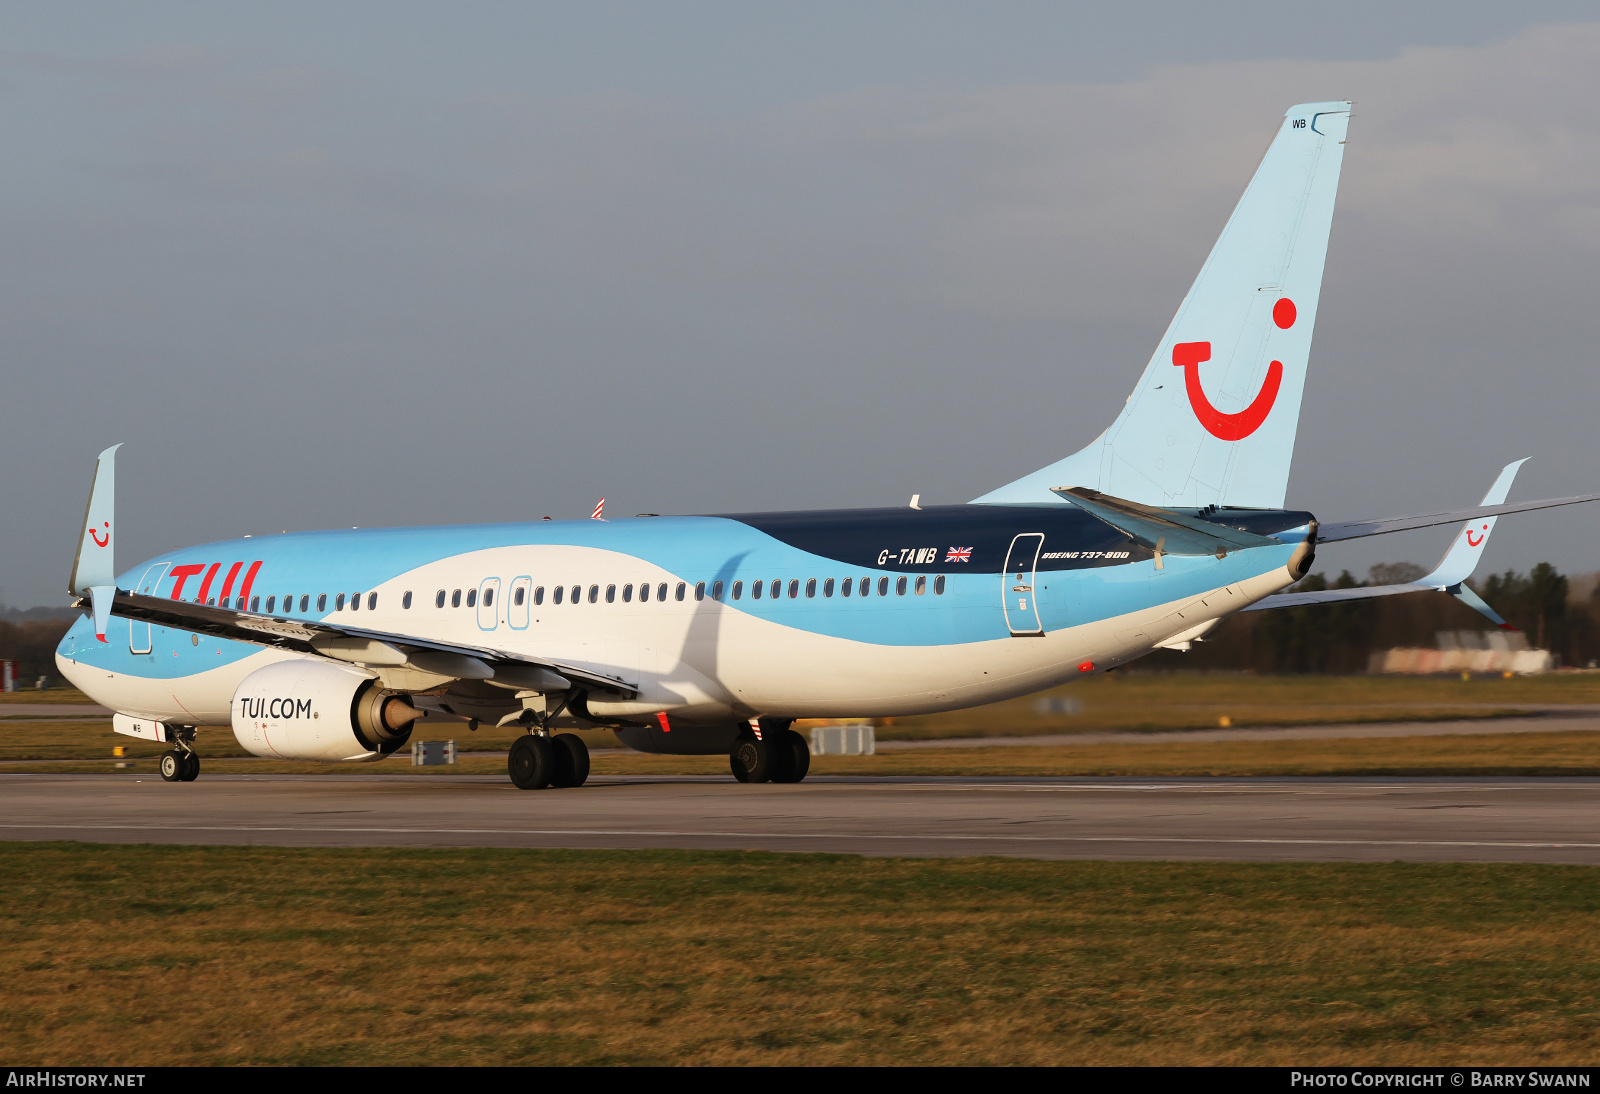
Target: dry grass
(140, 955)
(1119, 702)
(1563, 753)
(1133, 701)
(51, 695)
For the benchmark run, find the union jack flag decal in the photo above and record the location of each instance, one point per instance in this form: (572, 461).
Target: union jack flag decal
(959, 554)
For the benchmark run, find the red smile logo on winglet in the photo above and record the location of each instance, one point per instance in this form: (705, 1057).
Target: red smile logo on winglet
(1232, 427)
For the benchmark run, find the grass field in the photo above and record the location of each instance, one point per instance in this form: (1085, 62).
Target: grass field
(1116, 702)
(139, 955)
(1566, 753)
(1133, 701)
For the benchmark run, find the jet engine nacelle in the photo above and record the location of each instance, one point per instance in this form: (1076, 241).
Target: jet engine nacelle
(314, 710)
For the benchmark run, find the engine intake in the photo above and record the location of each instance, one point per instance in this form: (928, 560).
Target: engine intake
(314, 710)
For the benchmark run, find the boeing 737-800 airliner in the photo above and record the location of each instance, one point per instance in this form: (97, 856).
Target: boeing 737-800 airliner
(712, 634)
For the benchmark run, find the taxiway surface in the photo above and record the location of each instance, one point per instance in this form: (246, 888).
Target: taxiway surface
(1331, 819)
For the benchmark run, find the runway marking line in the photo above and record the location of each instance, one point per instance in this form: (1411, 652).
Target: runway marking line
(746, 835)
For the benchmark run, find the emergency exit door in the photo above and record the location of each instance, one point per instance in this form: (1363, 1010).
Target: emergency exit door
(1017, 594)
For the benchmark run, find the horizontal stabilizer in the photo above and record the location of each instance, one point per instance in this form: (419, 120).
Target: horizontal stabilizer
(1162, 530)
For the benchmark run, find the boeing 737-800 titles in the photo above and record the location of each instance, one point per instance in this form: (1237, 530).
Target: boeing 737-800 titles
(712, 634)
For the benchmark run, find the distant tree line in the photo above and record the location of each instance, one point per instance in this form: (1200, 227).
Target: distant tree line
(1338, 638)
(32, 644)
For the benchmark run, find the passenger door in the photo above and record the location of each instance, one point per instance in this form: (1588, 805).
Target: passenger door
(138, 630)
(1017, 594)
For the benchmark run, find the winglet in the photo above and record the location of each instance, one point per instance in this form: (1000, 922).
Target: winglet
(1462, 558)
(94, 563)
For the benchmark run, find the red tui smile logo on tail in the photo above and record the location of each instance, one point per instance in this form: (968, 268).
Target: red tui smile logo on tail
(1232, 427)
(95, 535)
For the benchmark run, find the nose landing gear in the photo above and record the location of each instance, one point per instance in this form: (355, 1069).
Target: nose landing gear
(180, 766)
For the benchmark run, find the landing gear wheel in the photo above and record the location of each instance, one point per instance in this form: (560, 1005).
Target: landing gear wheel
(796, 756)
(571, 760)
(191, 767)
(752, 760)
(172, 766)
(532, 762)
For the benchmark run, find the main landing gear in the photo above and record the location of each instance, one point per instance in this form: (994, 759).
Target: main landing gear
(180, 766)
(537, 761)
(780, 756)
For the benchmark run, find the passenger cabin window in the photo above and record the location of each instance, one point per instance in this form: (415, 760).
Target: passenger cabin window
(438, 601)
(700, 590)
(488, 597)
(611, 594)
(827, 587)
(627, 594)
(405, 601)
(681, 586)
(518, 596)
(738, 589)
(322, 602)
(755, 589)
(255, 603)
(844, 586)
(594, 593)
(661, 591)
(556, 597)
(883, 586)
(455, 599)
(644, 593)
(577, 593)
(716, 591)
(472, 598)
(938, 585)
(922, 584)
(900, 587)
(811, 588)
(272, 602)
(355, 602)
(372, 601)
(338, 602)
(538, 594)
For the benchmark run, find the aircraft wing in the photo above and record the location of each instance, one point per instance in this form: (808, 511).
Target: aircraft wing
(321, 638)
(1355, 529)
(1453, 569)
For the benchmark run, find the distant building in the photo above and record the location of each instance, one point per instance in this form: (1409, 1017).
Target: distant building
(1466, 651)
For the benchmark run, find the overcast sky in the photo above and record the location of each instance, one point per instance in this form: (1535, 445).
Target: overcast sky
(371, 264)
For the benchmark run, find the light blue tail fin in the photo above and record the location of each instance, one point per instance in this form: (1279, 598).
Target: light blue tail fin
(1213, 419)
